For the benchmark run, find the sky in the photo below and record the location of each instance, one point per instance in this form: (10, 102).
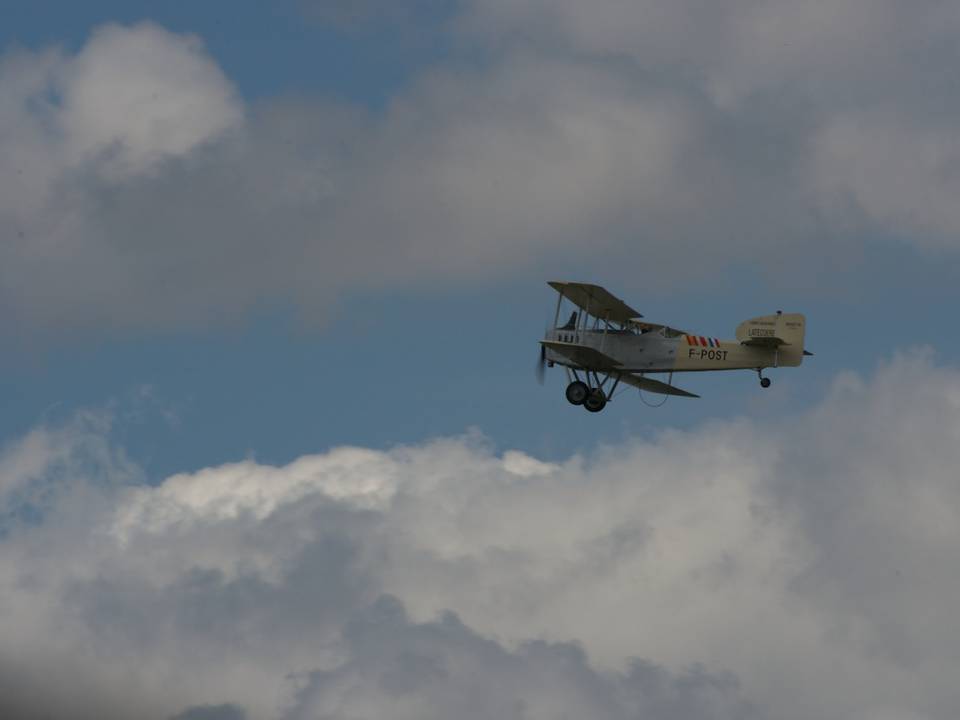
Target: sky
(271, 284)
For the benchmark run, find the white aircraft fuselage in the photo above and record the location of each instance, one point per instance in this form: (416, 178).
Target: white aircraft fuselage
(654, 351)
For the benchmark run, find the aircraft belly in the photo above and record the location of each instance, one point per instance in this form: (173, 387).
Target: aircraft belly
(638, 353)
(631, 352)
(657, 357)
(646, 353)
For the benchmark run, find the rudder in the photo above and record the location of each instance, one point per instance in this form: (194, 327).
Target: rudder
(783, 332)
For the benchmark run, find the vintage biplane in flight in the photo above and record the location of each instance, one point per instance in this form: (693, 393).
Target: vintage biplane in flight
(605, 343)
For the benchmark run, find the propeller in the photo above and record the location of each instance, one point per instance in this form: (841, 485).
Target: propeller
(542, 360)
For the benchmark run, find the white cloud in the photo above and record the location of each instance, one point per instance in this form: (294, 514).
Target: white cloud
(900, 177)
(143, 210)
(129, 99)
(807, 568)
(75, 130)
(832, 52)
(690, 138)
(141, 95)
(862, 83)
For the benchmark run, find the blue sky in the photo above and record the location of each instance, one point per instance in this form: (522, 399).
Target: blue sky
(267, 51)
(391, 369)
(237, 237)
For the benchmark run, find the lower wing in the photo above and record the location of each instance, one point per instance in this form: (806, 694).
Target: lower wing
(654, 386)
(583, 356)
(590, 359)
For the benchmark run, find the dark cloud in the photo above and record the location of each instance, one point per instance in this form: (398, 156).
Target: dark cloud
(212, 712)
(443, 669)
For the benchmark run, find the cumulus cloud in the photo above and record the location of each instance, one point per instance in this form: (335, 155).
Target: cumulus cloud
(141, 198)
(144, 194)
(464, 173)
(129, 99)
(181, 212)
(212, 712)
(846, 51)
(798, 569)
(442, 669)
(898, 176)
(73, 130)
(862, 83)
(141, 95)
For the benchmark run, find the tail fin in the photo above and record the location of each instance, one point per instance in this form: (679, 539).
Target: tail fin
(782, 332)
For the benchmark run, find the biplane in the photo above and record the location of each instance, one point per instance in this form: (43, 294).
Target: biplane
(605, 344)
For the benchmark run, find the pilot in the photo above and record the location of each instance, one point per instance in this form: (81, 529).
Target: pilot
(571, 323)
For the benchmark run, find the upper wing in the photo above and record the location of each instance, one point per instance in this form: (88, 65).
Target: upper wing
(583, 356)
(596, 301)
(654, 386)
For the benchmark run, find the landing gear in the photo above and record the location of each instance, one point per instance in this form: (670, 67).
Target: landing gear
(591, 392)
(764, 382)
(577, 392)
(596, 401)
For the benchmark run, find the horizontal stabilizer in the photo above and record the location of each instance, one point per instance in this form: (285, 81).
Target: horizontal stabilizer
(582, 356)
(771, 342)
(808, 353)
(773, 331)
(655, 386)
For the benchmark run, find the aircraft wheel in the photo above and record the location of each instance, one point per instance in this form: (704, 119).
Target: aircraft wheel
(577, 392)
(596, 401)
(764, 382)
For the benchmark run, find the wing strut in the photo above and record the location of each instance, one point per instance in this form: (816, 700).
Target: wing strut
(655, 386)
(665, 397)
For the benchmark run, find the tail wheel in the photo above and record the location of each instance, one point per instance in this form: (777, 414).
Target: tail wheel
(596, 401)
(764, 382)
(577, 392)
